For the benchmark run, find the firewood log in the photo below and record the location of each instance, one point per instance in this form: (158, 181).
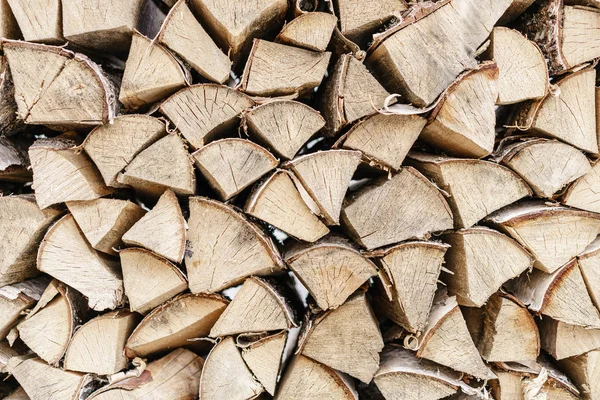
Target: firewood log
(563, 340)
(582, 193)
(264, 359)
(583, 372)
(40, 20)
(588, 261)
(16, 298)
(14, 161)
(10, 124)
(9, 27)
(358, 22)
(513, 11)
(311, 31)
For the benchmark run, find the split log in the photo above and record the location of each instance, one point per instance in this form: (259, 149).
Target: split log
(311, 31)
(588, 261)
(275, 69)
(62, 254)
(22, 227)
(284, 126)
(10, 123)
(330, 269)
(583, 372)
(480, 260)
(9, 27)
(172, 324)
(231, 165)
(389, 211)
(204, 112)
(97, 346)
(513, 11)
(563, 340)
(582, 193)
(7, 352)
(184, 35)
(39, 21)
(463, 123)
(161, 230)
(358, 21)
(142, 85)
(264, 359)
(114, 145)
(278, 202)
(149, 280)
(257, 307)
(346, 339)
(224, 247)
(15, 299)
(14, 160)
(476, 187)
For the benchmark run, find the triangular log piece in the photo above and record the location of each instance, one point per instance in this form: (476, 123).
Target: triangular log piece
(330, 269)
(231, 165)
(476, 187)
(18, 251)
(464, 121)
(523, 74)
(569, 115)
(174, 376)
(326, 176)
(542, 230)
(275, 69)
(104, 221)
(583, 371)
(582, 193)
(161, 230)
(516, 8)
(447, 341)
(166, 164)
(562, 340)
(351, 92)
(546, 165)
(224, 247)
(264, 358)
(204, 112)
(39, 21)
(278, 202)
(184, 35)
(108, 26)
(113, 145)
(413, 270)
(226, 376)
(172, 324)
(43, 382)
(257, 307)
(149, 279)
(508, 386)
(589, 263)
(151, 74)
(283, 125)
(392, 210)
(97, 346)
(66, 255)
(480, 260)
(311, 31)
(347, 339)
(59, 88)
(384, 139)
(358, 22)
(305, 379)
(15, 299)
(8, 24)
(14, 161)
(457, 27)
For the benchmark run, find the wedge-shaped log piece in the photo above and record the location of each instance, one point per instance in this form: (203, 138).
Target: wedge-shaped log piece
(543, 230)
(563, 340)
(330, 269)
(523, 74)
(311, 31)
(166, 164)
(113, 145)
(104, 221)
(570, 115)
(149, 279)
(275, 70)
(224, 247)
(588, 263)
(97, 346)
(326, 176)
(66, 255)
(264, 358)
(183, 34)
(389, 211)
(284, 126)
(278, 202)
(172, 324)
(226, 376)
(583, 372)
(59, 88)
(22, 227)
(161, 230)
(582, 193)
(231, 165)
(206, 111)
(464, 121)
(357, 22)
(16, 298)
(14, 162)
(151, 74)
(257, 307)
(476, 187)
(347, 339)
(174, 376)
(39, 21)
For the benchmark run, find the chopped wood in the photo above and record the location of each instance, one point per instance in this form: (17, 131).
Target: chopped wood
(8, 24)
(264, 359)
(311, 31)
(15, 299)
(39, 20)
(224, 247)
(588, 261)
(582, 193)
(10, 123)
(583, 372)
(358, 21)
(563, 340)
(14, 161)
(513, 11)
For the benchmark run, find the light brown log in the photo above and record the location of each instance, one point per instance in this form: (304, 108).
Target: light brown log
(14, 161)
(16, 298)
(10, 123)
(358, 20)
(563, 340)
(264, 359)
(8, 24)
(39, 20)
(582, 193)
(588, 264)
(584, 372)
(513, 11)
(311, 31)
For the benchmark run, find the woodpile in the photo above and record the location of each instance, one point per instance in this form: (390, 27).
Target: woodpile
(299, 199)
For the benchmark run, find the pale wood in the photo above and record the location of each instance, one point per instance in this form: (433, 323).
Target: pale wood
(588, 261)
(16, 298)
(516, 8)
(583, 371)
(8, 24)
(311, 31)
(161, 230)
(264, 359)
(389, 211)
(563, 340)
(358, 20)
(582, 193)
(580, 38)
(39, 20)
(6, 353)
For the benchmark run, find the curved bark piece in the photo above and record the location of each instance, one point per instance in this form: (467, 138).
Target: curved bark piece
(358, 22)
(311, 31)
(582, 193)
(583, 372)
(39, 21)
(224, 247)
(14, 300)
(563, 340)
(264, 359)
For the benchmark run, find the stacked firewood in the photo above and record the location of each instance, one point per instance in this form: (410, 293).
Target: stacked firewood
(320, 199)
